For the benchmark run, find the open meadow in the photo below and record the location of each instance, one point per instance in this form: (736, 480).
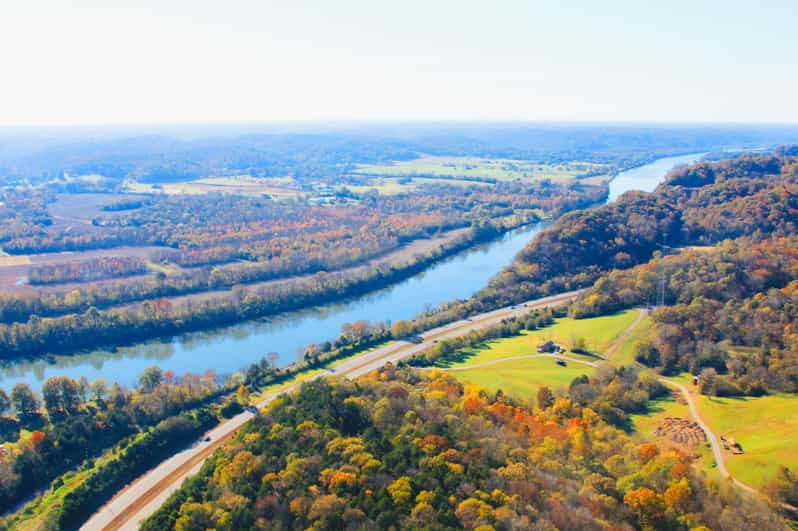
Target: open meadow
(514, 366)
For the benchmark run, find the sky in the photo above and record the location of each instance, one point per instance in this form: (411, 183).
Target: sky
(96, 62)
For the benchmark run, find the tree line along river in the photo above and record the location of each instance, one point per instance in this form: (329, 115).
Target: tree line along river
(231, 348)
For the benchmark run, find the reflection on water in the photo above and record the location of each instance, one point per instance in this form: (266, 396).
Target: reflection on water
(233, 347)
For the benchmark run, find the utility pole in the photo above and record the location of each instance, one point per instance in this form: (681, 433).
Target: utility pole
(661, 281)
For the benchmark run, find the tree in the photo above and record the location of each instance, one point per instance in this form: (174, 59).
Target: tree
(150, 379)
(99, 389)
(545, 397)
(61, 395)
(5, 402)
(24, 400)
(400, 329)
(83, 388)
(401, 491)
(648, 506)
(708, 381)
(242, 395)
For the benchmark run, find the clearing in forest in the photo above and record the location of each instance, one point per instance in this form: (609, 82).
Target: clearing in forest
(523, 376)
(764, 427)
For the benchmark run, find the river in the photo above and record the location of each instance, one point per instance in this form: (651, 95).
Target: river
(231, 348)
(647, 177)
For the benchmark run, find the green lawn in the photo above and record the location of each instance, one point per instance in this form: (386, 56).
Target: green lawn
(625, 355)
(598, 333)
(522, 378)
(765, 427)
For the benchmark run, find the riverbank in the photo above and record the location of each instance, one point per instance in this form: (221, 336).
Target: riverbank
(465, 264)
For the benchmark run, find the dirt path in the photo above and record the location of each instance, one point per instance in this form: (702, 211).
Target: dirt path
(626, 333)
(145, 495)
(713, 440)
(717, 452)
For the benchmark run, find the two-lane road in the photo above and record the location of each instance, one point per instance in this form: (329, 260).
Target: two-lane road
(144, 496)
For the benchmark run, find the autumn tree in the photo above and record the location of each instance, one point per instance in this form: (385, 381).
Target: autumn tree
(545, 397)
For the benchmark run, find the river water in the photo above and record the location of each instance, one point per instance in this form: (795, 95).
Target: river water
(646, 178)
(231, 348)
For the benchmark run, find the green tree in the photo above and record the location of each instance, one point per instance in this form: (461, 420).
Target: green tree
(61, 395)
(5, 402)
(400, 329)
(99, 389)
(150, 379)
(24, 400)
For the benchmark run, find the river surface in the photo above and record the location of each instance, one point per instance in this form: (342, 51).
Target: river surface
(231, 348)
(646, 178)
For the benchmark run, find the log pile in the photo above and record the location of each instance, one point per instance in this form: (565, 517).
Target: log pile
(682, 431)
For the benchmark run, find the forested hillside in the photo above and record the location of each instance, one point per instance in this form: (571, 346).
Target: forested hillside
(168, 155)
(403, 449)
(754, 195)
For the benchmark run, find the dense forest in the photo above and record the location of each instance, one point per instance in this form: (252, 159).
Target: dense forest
(753, 195)
(404, 449)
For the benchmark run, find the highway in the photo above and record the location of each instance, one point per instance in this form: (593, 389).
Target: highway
(146, 494)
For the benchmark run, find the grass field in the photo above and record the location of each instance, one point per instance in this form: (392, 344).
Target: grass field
(625, 355)
(598, 333)
(643, 426)
(499, 169)
(523, 377)
(765, 428)
(392, 186)
(278, 187)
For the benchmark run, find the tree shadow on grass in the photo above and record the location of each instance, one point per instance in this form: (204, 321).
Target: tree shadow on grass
(459, 357)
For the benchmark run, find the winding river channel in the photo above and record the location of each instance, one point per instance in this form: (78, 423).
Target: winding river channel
(231, 348)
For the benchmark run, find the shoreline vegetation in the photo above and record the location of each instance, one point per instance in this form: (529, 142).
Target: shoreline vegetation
(117, 327)
(107, 471)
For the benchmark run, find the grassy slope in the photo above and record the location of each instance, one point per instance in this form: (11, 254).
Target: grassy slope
(625, 355)
(765, 427)
(522, 377)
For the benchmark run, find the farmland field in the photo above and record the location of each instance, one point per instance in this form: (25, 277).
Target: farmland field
(276, 187)
(479, 168)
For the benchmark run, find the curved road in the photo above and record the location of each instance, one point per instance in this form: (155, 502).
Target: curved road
(145, 495)
(689, 398)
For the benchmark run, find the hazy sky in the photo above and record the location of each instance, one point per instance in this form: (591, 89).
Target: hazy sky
(112, 61)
